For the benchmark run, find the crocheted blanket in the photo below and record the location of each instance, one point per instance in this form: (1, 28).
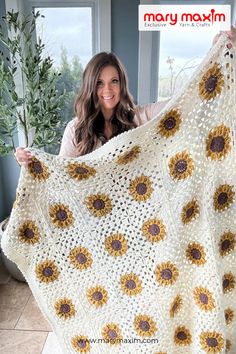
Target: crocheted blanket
(131, 248)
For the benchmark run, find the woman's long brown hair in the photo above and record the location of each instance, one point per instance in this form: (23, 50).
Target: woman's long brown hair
(90, 121)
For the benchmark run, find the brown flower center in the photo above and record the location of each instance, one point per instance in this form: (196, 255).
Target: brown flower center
(212, 342)
(97, 295)
(175, 306)
(217, 144)
(130, 284)
(189, 212)
(129, 155)
(112, 334)
(116, 245)
(141, 188)
(195, 253)
(61, 214)
(81, 170)
(203, 298)
(99, 204)
(47, 271)
(225, 244)
(154, 229)
(210, 83)
(181, 335)
(222, 198)
(144, 325)
(166, 274)
(81, 343)
(170, 123)
(37, 167)
(225, 283)
(181, 166)
(28, 233)
(81, 258)
(65, 308)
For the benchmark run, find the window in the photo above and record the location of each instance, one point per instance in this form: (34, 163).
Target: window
(67, 35)
(167, 60)
(179, 56)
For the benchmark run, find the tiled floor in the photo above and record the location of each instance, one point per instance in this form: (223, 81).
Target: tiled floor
(23, 329)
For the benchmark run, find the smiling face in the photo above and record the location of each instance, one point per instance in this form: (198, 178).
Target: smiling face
(108, 90)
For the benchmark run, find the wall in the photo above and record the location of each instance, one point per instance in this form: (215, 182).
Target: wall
(124, 38)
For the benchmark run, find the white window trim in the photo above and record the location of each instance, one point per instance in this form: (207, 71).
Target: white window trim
(148, 61)
(104, 16)
(101, 23)
(233, 14)
(101, 16)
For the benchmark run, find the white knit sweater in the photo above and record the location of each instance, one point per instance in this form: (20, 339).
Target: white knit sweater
(131, 248)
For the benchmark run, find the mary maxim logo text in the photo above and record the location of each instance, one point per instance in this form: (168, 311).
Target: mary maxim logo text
(158, 17)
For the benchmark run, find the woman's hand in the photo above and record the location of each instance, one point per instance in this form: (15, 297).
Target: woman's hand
(23, 156)
(231, 35)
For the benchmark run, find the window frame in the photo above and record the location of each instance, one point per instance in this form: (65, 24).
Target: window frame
(101, 18)
(149, 49)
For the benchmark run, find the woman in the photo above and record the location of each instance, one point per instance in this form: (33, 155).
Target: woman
(104, 108)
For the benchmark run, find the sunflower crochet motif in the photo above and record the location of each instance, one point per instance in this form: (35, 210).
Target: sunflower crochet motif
(132, 249)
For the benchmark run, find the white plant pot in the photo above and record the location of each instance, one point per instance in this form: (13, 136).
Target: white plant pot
(10, 266)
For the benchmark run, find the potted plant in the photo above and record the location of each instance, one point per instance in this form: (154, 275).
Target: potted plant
(29, 101)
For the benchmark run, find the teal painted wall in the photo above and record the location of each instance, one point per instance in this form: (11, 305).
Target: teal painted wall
(125, 38)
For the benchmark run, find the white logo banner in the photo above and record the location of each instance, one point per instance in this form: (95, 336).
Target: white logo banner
(184, 17)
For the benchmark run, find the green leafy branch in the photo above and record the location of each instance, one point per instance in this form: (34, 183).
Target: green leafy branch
(36, 109)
